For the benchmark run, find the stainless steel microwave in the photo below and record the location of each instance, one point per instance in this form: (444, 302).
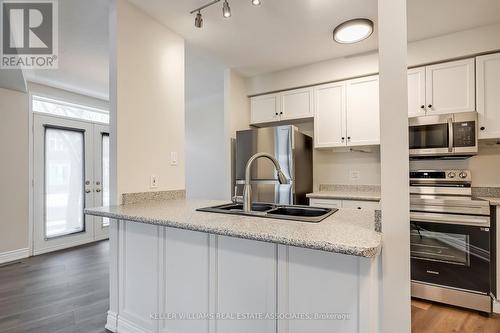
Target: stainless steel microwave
(446, 135)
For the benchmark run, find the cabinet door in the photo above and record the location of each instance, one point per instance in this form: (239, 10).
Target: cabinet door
(246, 283)
(450, 87)
(325, 203)
(362, 111)
(265, 108)
(488, 95)
(416, 92)
(329, 118)
(359, 204)
(297, 104)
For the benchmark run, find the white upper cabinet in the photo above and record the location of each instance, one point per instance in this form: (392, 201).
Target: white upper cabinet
(362, 111)
(287, 105)
(330, 118)
(416, 92)
(488, 95)
(265, 108)
(450, 87)
(297, 104)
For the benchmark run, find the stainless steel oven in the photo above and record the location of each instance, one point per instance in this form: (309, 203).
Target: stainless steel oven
(447, 135)
(451, 235)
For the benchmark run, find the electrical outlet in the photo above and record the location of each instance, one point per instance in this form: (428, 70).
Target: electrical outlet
(354, 175)
(154, 181)
(173, 158)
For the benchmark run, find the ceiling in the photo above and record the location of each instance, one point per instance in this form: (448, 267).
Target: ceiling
(83, 49)
(286, 33)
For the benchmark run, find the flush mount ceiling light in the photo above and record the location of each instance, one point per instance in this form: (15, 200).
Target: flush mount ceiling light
(353, 31)
(226, 10)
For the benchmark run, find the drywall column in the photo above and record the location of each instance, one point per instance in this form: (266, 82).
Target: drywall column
(394, 166)
(112, 319)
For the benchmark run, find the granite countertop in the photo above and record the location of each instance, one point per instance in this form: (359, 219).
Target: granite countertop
(347, 231)
(347, 192)
(494, 201)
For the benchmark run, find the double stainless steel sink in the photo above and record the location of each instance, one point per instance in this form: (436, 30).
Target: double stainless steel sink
(284, 212)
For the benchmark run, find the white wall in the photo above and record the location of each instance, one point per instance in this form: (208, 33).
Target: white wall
(335, 168)
(484, 167)
(149, 102)
(206, 167)
(431, 50)
(14, 175)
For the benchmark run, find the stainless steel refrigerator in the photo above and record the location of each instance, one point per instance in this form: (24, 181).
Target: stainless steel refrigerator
(291, 148)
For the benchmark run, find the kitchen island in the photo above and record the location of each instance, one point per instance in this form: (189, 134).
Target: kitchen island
(175, 269)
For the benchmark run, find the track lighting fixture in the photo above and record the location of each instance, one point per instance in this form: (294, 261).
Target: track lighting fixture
(226, 10)
(198, 20)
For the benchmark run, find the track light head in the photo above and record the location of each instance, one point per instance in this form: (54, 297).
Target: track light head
(198, 20)
(256, 2)
(226, 10)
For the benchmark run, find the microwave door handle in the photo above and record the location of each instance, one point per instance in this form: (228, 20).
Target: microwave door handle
(450, 135)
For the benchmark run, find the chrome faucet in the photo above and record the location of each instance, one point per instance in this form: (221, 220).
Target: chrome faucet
(247, 189)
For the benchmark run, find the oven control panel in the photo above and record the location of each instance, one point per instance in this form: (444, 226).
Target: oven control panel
(454, 175)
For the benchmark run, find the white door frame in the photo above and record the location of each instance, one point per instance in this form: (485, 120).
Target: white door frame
(100, 232)
(31, 213)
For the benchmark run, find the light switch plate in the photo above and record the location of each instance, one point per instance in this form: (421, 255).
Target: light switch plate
(154, 181)
(173, 158)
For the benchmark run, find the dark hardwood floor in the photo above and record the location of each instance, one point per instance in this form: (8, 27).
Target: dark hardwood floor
(429, 317)
(64, 291)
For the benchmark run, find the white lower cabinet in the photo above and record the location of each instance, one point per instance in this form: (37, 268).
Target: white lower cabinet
(349, 204)
(246, 283)
(173, 280)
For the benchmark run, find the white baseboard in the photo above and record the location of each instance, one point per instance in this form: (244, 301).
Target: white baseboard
(126, 326)
(14, 255)
(63, 246)
(496, 306)
(112, 322)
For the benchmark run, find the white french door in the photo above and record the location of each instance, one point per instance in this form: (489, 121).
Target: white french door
(71, 172)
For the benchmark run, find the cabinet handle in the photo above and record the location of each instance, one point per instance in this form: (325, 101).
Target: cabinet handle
(359, 207)
(343, 138)
(276, 113)
(348, 138)
(422, 106)
(281, 112)
(482, 128)
(430, 106)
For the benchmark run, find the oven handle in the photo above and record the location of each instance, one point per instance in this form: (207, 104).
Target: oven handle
(450, 134)
(477, 221)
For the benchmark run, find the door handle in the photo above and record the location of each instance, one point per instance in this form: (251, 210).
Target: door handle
(450, 135)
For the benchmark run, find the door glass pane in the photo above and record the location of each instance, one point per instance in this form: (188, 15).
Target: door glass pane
(69, 110)
(64, 184)
(105, 175)
(428, 136)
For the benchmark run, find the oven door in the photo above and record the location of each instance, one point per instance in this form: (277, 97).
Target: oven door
(451, 255)
(431, 135)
